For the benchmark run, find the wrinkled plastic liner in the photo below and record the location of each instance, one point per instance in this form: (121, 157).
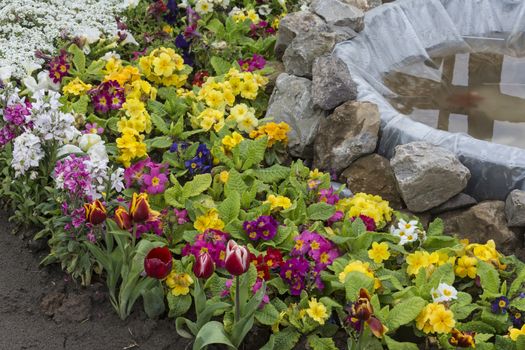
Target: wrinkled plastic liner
(407, 33)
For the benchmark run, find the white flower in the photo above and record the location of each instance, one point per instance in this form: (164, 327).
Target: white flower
(42, 82)
(117, 180)
(264, 10)
(129, 39)
(219, 45)
(183, 4)
(131, 3)
(404, 236)
(203, 7)
(408, 227)
(5, 73)
(86, 141)
(27, 153)
(444, 292)
(68, 149)
(109, 55)
(90, 34)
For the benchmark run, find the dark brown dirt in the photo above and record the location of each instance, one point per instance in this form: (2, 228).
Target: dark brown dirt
(42, 309)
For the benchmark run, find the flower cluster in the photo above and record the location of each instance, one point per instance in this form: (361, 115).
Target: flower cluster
(202, 161)
(164, 66)
(435, 318)
(59, 67)
(147, 176)
(212, 242)
(407, 232)
(256, 62)
(108, 96)
(276, 132)
(265, 228)
(366, 204)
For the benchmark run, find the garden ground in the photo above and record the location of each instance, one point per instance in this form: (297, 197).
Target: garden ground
(42, 309)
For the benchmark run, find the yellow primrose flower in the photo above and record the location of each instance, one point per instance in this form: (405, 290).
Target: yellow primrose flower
(113, 65)
(514, 333)
(379, 252)
(167, 29)
(418, 260)
(163, 65)
(278, 202)
(369, 205)
(179, 283)
(315, 174)
(247, 123)
(223, 176)
(210, 220)
(215, 99)
(249, 89)
(275, 132)
(435, 318)
(317, 311)
(466, 266)
(76, 87)
(211, 118)
(358, 266)
(130, 146)
(230, 141)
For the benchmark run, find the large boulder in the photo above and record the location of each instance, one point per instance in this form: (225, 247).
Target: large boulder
(332, 82)
(339, 13)
(427, 175)
(459, 201)
(304, 49)
(349, 133)
(296, 23)
(291, 102)
(482, 222)
(515, 208)
(364, 5)
(373, 174)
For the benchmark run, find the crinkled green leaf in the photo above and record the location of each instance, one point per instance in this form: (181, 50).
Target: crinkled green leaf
(404, 312)
(317, 343)
(320, 211)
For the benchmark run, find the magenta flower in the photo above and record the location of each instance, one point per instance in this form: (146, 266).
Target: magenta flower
(294, 272)
(107, 96)
(16, 114)
(72, 176)
(256, 62)
(181, 215)
(338, 216)
(93, 129)
(211, 241)
(133, 174)
(328, 196)
(368, 221)
(265, 227)
(155, 181)
(59, 67)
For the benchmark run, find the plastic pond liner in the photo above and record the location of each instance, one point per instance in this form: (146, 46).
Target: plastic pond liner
(453, 65)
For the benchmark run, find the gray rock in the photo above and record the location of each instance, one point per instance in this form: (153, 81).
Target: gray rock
(373, 174)
(304, 49)
(332, 83)
(346, 135)
(339, 13)
(515, 208)
(278, 68)
(364, 5)
(459, 201)
(291, 102)
(483, 222)
(296, 23)
(427, 175)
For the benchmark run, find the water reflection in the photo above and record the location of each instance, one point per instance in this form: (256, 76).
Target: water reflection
(481, 93)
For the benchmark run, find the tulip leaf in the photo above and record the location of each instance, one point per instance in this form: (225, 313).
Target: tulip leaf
(154, 301)
(180, 322)
(320, 211)
(211, 333)
(404, 312)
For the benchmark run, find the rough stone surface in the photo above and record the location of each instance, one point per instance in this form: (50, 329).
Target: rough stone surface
(373, 174)
(482, 222)
(459, 201)
(364, 5)
(291, 102)
(339, 13)
(346, 135)
(294, 24)
(332, 82)
(515, 208)
(427, 175)
(278, 68)
(304, 49)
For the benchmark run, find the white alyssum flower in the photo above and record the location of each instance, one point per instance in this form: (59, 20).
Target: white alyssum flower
(444, 292)
(27, 153)
(5, 73)
(30, 25)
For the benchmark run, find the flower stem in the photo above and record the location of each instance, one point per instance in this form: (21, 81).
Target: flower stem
(237, 300)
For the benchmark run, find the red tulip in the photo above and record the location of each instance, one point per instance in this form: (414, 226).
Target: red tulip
(122, 218)
(157, 263)
(204, 266)
(139, 208)
(237, 259)
(95, 212)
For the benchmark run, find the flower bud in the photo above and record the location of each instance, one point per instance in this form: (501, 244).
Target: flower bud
(139, 208)
(237, 259)
(95, 212)
(204, 266)
(122, 218)
(158, 262)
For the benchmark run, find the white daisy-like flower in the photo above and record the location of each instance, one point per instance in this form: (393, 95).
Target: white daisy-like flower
(408, 227)
(444, 292)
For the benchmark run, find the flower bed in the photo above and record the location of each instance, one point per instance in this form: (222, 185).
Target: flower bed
(153, 166)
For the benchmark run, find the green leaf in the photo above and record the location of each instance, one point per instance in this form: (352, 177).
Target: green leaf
(229, 208)
(354, 281)
(489, 277)
(211, 333)
(178, 305)
(516, 285)
(79, 59)
(283, 340)
(518, 303)
(159, 123)
(199, 184)
(157, 108)
(320, 211)
(255, 152)
(436, 227)
(268, 315)
(81, 106)
(154, 301)
(273, 174)
(395, 345)
(220, 65)
(171, 195)
(404, 312)
(463, 311)
(235, 183)
(159, 142)
(317, 343)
